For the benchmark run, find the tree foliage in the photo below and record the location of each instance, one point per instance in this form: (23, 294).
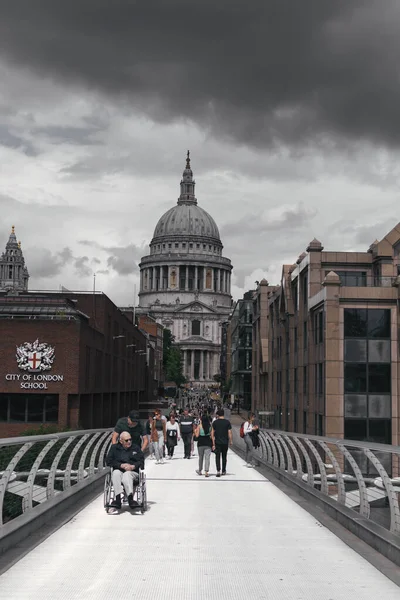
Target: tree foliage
(172, 359)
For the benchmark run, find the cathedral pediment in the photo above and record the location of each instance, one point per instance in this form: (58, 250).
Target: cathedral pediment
(195, 307)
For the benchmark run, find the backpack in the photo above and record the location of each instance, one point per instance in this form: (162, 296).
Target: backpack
(242, 430)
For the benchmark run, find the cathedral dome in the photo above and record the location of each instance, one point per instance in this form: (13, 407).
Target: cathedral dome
(186, 220)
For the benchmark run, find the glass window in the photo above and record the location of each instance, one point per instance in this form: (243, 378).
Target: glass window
(379, 323)
(355, 429)
(355, 351)
(380, 431)
(355, 322)
(379, 351)
(35, 408)
(353, 278)
(355, 405)
(3, 407)
(17, 408)
(379, 379)
(379, 406)
(51, 406)
(355, 378)
(195, 327)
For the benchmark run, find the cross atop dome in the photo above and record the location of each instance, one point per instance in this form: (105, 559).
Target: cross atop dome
(187, 184)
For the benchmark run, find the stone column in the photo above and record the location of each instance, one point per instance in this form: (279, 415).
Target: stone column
(184, 362)
(187, 279)
(192, 366)
(225, 281)
(196, 275)
(140, 285)
(204, 278)
(201, 364)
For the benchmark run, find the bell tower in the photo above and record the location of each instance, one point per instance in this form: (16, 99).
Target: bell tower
(13, 272)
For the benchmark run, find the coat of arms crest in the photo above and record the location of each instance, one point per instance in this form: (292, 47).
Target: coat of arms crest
(35, 357)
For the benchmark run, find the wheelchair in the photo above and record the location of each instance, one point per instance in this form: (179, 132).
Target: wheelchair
(140, 494)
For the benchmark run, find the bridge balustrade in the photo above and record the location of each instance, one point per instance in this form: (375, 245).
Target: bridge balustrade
(39, 472)
(361, 476)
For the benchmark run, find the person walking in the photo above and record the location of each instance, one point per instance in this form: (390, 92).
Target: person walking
(158, 435)
(203, 435)
(250, 429)
(221, 437)
(148, 433)
(187, 429)
(173, 435)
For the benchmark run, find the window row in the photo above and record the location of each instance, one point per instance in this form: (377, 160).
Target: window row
(372, 378)
(367, 322)
(374, 406)
(363, 351)
(184, 246)
(371, 430)
(29, 408)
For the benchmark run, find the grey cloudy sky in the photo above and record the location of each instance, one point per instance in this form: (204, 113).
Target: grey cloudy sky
(291, 111)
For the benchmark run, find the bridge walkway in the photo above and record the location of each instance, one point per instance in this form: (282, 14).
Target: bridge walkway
(202, 539)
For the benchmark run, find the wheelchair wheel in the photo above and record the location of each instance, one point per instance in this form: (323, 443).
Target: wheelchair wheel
(107, 491)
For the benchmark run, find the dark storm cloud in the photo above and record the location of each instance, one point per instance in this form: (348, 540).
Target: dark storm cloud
(291, 219)
(44, 263)
(73, 135)
(259, 72)
(11, 140)
(122, 259)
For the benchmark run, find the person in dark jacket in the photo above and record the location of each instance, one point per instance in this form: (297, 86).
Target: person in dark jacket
(125, 459)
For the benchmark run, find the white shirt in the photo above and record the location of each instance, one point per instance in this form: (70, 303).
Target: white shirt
(173, 427)
(247, 428)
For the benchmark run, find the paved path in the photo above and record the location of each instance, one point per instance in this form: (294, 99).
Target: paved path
(202, 539)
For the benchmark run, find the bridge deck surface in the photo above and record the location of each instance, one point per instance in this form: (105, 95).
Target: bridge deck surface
(234, 537)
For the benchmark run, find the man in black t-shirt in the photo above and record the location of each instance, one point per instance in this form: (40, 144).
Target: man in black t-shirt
(132, 425)
(187, 429)
(221, 437)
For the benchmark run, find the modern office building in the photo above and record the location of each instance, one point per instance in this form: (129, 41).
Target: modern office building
(326, 356)
(241, 349)
(185, 282)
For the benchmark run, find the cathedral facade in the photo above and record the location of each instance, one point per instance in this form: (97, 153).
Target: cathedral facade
(185, 282)
(14, 275)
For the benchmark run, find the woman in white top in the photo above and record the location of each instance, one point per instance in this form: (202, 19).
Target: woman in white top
(173, 435)
(248, 429)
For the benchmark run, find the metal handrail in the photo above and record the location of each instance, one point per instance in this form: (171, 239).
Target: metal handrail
(352, 473)
(34, 470)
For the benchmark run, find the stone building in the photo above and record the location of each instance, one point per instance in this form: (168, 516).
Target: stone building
(14, 275)
(185, 282)
(325, 343)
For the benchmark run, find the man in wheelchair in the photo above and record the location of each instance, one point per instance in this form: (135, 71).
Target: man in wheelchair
(125, 459)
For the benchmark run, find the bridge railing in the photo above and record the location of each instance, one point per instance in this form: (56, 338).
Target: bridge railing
(38, 472)
(361, 476)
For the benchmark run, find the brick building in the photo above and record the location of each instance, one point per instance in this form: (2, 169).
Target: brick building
(94, 366)
(325, 343)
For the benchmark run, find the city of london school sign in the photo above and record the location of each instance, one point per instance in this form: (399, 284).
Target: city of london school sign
(33, 360)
